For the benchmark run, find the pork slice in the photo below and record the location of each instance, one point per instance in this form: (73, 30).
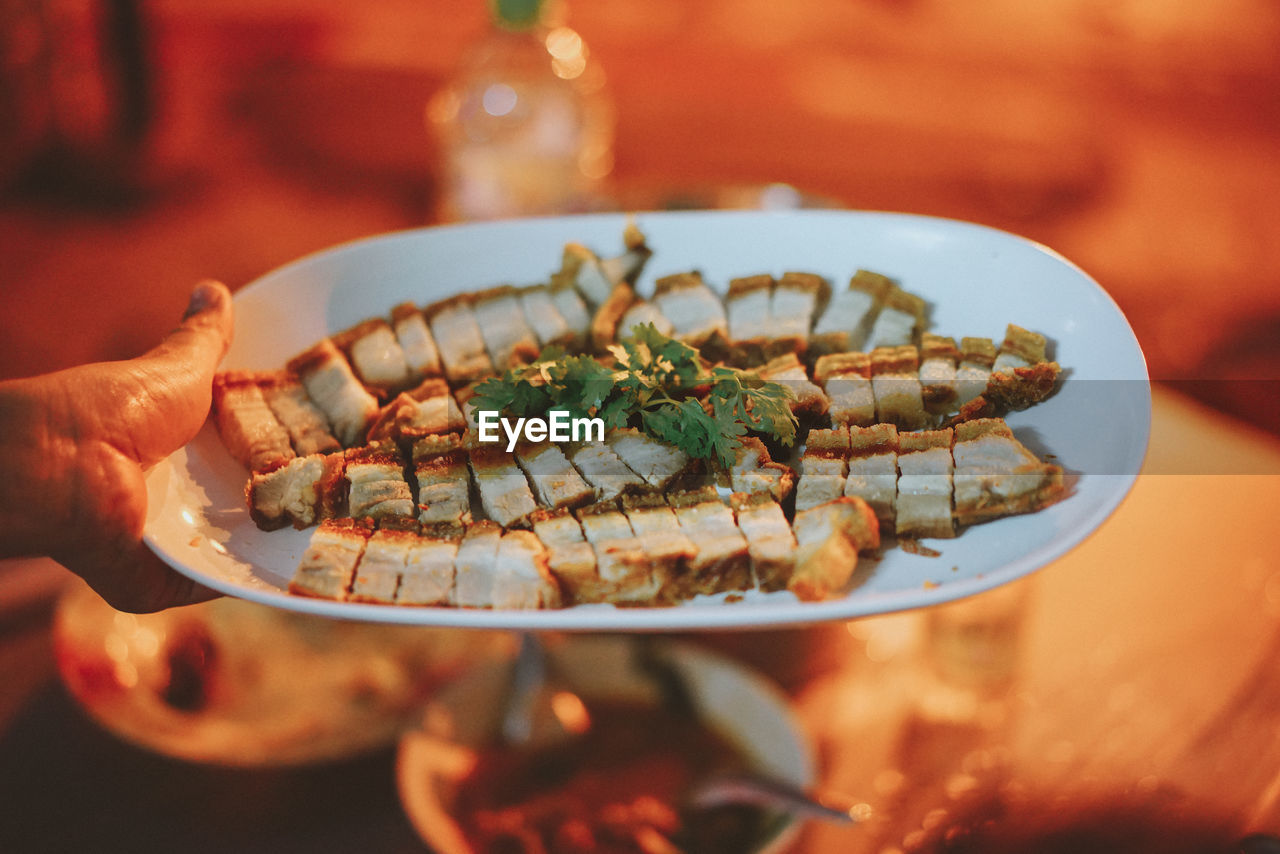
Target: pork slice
(416, 343)
(385, 556)
(556, 483)
(290, 494)
(428, 575)
(873, 469)
(696, 313)
(523, 579)
(476, 566)
(378, 488)
(995, 475)
(770, 543)
(508, 339)
(462, 349)
(332, 386)
(376, 355)
(328, 566)
(604, 470)
(307, 425)
(829, 538)
(544, 318)
(503, 487)
(657, 463)
(248, 427)
(923, 504)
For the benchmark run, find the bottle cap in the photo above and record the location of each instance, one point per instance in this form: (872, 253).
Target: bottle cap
(517, 14)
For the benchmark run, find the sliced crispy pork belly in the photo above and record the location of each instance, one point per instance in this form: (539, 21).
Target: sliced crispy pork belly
(603, 521)
(556, 483)
(695, 312)
(462, 349)
(385, 557)
(847, 320)
(604, 324)
(544, 318)
(427, 410)
(823, 468)
(1021, 374)
(567, 301)
(333, 387)
(770, 542)
(807, 399)
(900, 319)
(923, 505)
(974, 370)
(795, 301)
(995, 475)
(329, 563)
(873, 469)
(378, 488)
(627, 266)
(523, 579)
(248, 426)
(419, 348)
(1020, 348)
(376, 355)
(754, 471)
(508, 339)
(829, 538)
(938, 357)
(504, 490)
(306, 424)
(428, 571)
(895, 382)
(657, 528)
(556, 527)
(604, 470)
(846, 379)
(641, 312)
(440, 465)
(290, 494)
(571, 559)
(656, 462)
(625, 569)
(582, 268)
(722, 562)
(747, 312)
(476, 566)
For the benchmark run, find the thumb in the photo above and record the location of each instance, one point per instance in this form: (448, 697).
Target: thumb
(176, 377)
(204, 335)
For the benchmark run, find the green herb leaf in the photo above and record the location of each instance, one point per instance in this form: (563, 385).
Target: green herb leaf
(652, 385)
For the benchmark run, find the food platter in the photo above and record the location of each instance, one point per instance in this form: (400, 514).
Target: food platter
(976, 280)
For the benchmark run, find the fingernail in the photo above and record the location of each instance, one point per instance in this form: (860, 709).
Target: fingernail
(204, 295)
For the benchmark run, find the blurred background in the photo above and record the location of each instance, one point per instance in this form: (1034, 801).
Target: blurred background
(147, 144)
(150, 144)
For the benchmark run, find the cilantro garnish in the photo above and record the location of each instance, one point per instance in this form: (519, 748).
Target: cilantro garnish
(656, 383)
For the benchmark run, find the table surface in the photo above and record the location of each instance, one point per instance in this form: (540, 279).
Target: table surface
(1129, 688)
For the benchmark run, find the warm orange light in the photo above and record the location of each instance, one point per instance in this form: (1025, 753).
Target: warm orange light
(570, 711)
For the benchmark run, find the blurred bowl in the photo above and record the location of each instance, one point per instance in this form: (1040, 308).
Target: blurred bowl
(235, 683)
(742, 707)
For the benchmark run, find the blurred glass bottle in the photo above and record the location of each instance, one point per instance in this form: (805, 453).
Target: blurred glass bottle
(524, 125)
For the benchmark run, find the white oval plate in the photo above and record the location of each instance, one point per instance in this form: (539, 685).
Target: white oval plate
(977, 280)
